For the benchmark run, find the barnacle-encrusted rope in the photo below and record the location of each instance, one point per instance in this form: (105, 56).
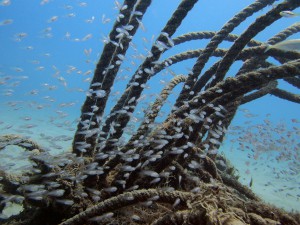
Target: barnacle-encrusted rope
(151, 114)
(281, 36)
(260, 93)
(208, 35)
(126, 199)
(232, 88)
(141, 133)
(293, 81)
(215, 41)
(143, 73)
(245, 54)
(244, 83)
(156, 106)
(258, 61)
(286, 95)
(105, 74)
(260, 24)
(11, 139)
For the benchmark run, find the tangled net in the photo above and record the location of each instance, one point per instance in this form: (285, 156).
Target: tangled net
(166, 174)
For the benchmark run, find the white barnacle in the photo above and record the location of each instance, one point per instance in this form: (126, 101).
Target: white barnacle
(155, 180)
(213, 151)
(120, 16)
(194, 165)
(220, 114)
(153, 158)
(136, 218)
(164, 34)
(176, 151)
(110, 189)
(171, 42)
(177, 201)
(119, 62)
(214, 141)
(206, 127)
(172, 168)
(65, 201)
(128, 27)
(124, 7)
(131, 100)
(128, 197)
(222, 107)
(52, 184)
(137, 13)
(100, 93)
(106, 40)
(154, 198)
(32, 187)
(104, 217)
(149, 71)
(51, 174)
(209, 120)
(195, 190)
(101, 155)
(127, 168)
(56, 193)
(134, 187)
(121, 56)
(177, 136)
(214, 134)
(145, 163)
(94, 191)
(149, 173)
(161, 46)
(190, 144)
(36, 198)
(96, 198)
(94, 172)
(148, 153)
(134, 84)
(165, 174)
(37, 193)
(147, 203)
(96, 84)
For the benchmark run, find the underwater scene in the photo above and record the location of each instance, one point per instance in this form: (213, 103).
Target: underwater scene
(149, 112)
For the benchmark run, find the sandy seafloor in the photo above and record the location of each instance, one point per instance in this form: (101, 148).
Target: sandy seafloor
(283, 191)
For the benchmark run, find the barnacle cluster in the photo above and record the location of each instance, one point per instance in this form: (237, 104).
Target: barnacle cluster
(165, 174)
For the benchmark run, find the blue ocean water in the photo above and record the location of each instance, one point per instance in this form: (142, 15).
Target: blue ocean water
(49, 49)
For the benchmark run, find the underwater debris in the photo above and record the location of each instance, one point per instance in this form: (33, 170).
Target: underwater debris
(160, 168)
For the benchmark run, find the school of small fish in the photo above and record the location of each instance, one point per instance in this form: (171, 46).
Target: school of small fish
(275, 146)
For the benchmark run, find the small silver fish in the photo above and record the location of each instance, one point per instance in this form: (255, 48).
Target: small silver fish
(289, 45)
(288, 14)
